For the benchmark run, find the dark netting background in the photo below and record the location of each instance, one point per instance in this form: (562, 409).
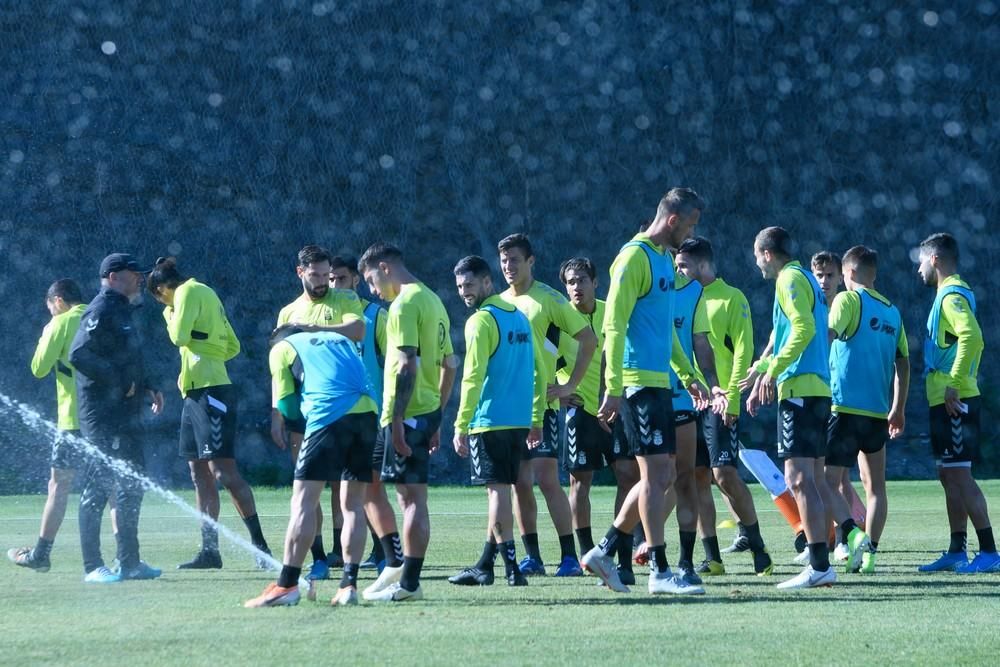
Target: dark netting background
(231, 134)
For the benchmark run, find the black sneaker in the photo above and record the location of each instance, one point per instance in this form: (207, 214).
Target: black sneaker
(472, 576)
(739, 545)
(334, 560)
(203, 560)
(516, 578)
(762, 563)
(25, 557)
(626, 575)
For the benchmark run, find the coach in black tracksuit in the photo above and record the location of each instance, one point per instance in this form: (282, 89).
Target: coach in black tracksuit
(111, 387)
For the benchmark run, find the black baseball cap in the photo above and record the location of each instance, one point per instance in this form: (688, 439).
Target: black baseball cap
(120, 261)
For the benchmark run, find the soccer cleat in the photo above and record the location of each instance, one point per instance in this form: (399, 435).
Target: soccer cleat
(668, 583)
(517, 579)
(740, 544)
(102, 575)
(801, 558)
(396, 593)
(345, 597)
(531, 568)
(841, 552)
(389, 577)
(763, 566)
(809, 578)
(472, 576)
(604, 567)
(800, 542)
(334, 560)
(858, 543)
(370, 562)
(275, 596)
(711, 568)
(641, 554)
(140, 572)
(261, 562)
(203, 560)
(983, 562)
(626, 575)
(569, 567)
(25, 557)
(946, 563)
(685, 571)
(867, 562)
(319, 570)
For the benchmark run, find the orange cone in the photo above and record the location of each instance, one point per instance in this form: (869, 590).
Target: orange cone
(790, 510)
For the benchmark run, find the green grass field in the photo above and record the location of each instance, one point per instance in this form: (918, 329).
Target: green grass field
(193, 618)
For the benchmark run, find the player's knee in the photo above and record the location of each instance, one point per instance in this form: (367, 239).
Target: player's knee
(728, 479)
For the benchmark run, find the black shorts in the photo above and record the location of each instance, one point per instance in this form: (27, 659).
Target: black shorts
(718, 444)
(955, 440)
(296, 425)
(208, 423)
(648, 418)
(341, 450)
(495, 456)
(802, 427)
(848, 434)
(549, 449)
(588, 446)
(412, 469)
(65, 454)
(620, 448)
(682, 417)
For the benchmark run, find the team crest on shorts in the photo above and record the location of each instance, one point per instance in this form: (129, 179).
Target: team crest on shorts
(581, 458)
(657, 437)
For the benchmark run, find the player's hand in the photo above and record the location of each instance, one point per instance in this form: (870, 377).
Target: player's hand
(155, 401)
(571, 401)
(608, 411)
(766, 389)
(897, 423)
(461, 444)
(434, 442)
(278, 430)
(558, 392)
(699, 393)
(399, 440)
(749, 381)
(720, 400)
(534, 438)
(952, 404)
(729, 419)
(753, 400)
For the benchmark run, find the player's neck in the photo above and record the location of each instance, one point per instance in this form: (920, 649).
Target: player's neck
(707, 279)
(943, 275)
(522, 288)
(586, 308)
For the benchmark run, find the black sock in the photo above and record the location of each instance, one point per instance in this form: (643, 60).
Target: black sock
(711, 546)
(530, 541)
(42, 549)
(819, 556)
(567, 546)
(256, 536)
(742, 529)
(350, 576)
(959, 540)
(659, 560)
(489, 555)
(688, 538)
(800, 542)
(410, 579)
(378, 553)
(753, 535)
(509, 554)
(845, 530)
(624, 548)
(986, 542)
(209, 537)
(289, 576)
(393, 549)
(638, 534)
(337, 547)
(317, 551)
(874, 547)
(609, 544)
(586, 538)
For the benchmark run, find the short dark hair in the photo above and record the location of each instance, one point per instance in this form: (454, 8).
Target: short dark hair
(577, 264)
(350, 263)
(377, 253)
(66, 289)
(313, 254)
(512, 241)
(283, 332)
(475, 265)
(679, 201)
(164, 274)
(826, 257)
(943, 244)
(861, 257)
(699, 248)
(775, 240)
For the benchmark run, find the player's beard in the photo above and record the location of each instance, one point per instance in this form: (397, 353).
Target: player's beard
(317, 292)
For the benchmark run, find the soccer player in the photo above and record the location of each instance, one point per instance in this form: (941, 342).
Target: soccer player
(551, 316)
(730, 337)
(498, 413)
(319, 376)
(198, 326)
(869, 380)
(637, 383)
(589, 447)
(328, 309)
(65, 304)
(420, 369)
(344, 275)
(798, 376)
(953, 352)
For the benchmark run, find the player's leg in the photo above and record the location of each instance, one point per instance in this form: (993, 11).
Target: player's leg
(626, 477)
(944, 431)
(380, 513)
(580, 482)
(546, 472)
(226, 473)
(712, 564)
(128, 505)
(687, 495)
(858, 510)
(37, 558)
(416, 533)
(98, 484)
(206, 495)
(335, 558)
(873, 475)
(526, 512)
(483, 472)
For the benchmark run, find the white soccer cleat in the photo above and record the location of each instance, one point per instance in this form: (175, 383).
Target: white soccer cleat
(396, 593)
(810, 578)
(667, 583)
(802, 558)
(841, 552)
(389, 576)
(604, 567)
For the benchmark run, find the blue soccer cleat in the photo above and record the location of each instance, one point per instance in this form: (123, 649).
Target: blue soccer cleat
(140, 572)
(984, 561)
(102, 575)
(531, 567)
(569, 567)
(946, 563)
(320, 570)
